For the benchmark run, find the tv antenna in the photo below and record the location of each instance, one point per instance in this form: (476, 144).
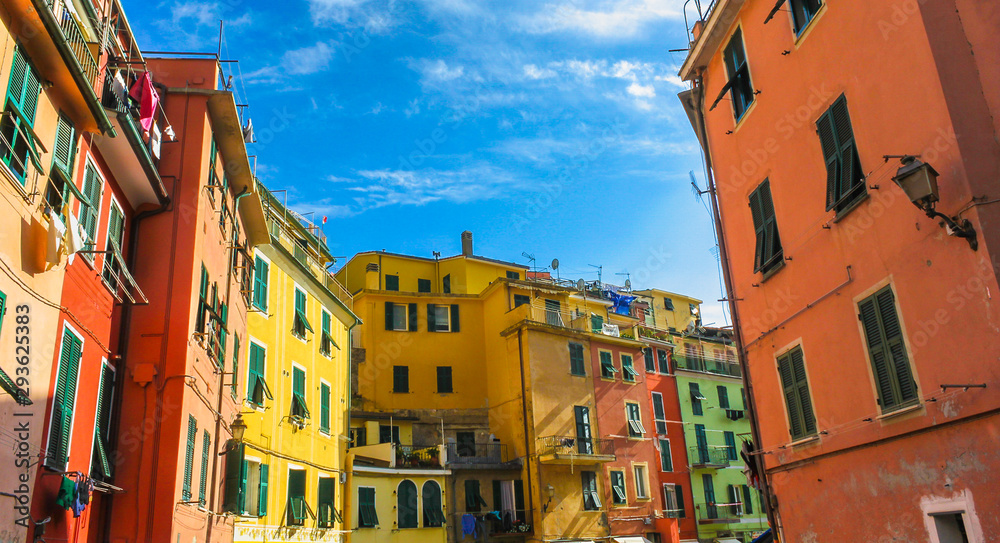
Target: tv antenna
(531, 258)
(600, 269)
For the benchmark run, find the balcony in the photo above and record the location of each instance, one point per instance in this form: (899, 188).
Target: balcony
(479, 456)
(418, 457)
(708, 365)
(656, 334)
(570, 450)
(509, 526)
(711, 457)
(83, 50)
(719, 513)
(560, 317)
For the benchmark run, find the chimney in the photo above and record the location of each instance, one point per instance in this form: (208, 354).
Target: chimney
(371, 276)
(466, 243)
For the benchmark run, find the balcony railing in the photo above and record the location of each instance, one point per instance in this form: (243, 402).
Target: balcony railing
(511, 522)
(418, 456)
(115, 98)
(709, 457)
(573, 319)
(708, 365)
(477, 453)
(66, 19)
(718, 513)
(572, 446)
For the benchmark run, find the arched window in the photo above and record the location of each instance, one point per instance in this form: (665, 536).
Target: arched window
(433, 515)
(406, 505)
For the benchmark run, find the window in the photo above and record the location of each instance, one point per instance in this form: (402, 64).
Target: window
(513, 275)
(591, 500)
(739, 86)
(326, 343)
(433, 512)
(768, 252)
(474, 501)
(257, 388)
(584, 444)
(795, 386)
(628, 373)
(553, 315)
(400, 379)
(608, 369)
(19, 116)
(189, 457)
(388, 434)
(950, 528)
(654, 537)
(442, 318)
(576, 361)
(324, 408)
(596, 323)
(508, 499)
(668, 304)
(260, 269)
(298, 508)
(747, 500)
(93, 188)
(367, 517)
(647, 355)
(245, 484)
(359, 437)
(299, 408)
(401, 317)
(661, 356)
(100, 463)
(673, 500)
(641, 481)
(466, 443)
(521, 299)
(444, 380)
(887, 352)
(803, 11)
(844, 176)
(666, 461)
(731, 445)
(300, 323)
(635, 428)
(701, 441)
(723, 396)
(326, 508)
(735, 500)
(618, 496)
(206, 446)
(423, 285)
(64, 401)
(446, 284)
(711, 511)
(392, 282)
(659, 415)
(406, 505)
(696, 399)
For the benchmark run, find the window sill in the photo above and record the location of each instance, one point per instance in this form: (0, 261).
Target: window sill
(746, 113)
(577, 374)
(858, 200)
(636, 438)
(774, 269)
(608, 379)
(808, 440)
(900, 412)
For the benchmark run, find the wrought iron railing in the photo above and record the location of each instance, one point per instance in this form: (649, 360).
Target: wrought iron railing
(711, 456)
(418, 456)
(74, 38)
(476, 453)
(708, 365)
(516, 521)
(116, 99)
(571, 445)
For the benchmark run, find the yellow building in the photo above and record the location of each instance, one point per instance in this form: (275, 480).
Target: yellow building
(286, 479)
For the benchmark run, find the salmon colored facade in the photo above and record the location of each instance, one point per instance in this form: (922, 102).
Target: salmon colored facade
(194, 260)
(855, 310)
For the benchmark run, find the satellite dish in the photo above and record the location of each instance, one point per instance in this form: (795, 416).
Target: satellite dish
(555, 263)
(580, 284)
(689, 329)
(628, 284)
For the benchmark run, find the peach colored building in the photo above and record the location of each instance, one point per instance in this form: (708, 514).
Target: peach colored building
(868, 331)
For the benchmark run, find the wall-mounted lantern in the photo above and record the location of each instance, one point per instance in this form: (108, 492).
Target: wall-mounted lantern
(919, 181)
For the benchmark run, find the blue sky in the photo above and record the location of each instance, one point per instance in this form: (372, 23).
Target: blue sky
(547, 127)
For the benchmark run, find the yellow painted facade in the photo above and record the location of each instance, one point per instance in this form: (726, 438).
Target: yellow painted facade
(386, 482)
(280, 434)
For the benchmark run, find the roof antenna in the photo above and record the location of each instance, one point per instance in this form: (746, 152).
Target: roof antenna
(531, 258)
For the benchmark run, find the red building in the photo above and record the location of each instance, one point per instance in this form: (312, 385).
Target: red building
(867, 324)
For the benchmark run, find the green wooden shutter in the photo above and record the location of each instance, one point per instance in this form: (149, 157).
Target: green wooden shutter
(659, 415)
(326, 338)
(520, 513)
(431, 317)
(455, 322)
(887, 350)
(18, 71)
(24, 88)
(102, 430)
(666, 462)
(831, 156)
(412, 314)
(234, 489)
(324, 407)
(802, 391)
(845, 141)
(679, 493)
(236, 364)
(702, 442)
(325, 502)
(712, 510)
(723, 396)
(64, 148)
(731, 445)
(596, 323)
(647, 355)
(389, 313)
(747, 500)
(791, 397)
(89, 209)
(260, 273)
(262, 494)
(497, 495)
(206, 444)
(189, 457)
(406, 504)
(576, 362)
(64, 400)
(583, 437)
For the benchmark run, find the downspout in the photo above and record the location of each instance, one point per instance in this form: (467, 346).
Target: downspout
(524, 419)
(348, 485)
(349, 458)
(699, 110)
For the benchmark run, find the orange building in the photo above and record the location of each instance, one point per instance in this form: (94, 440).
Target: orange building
(866, 324)
(181, 350)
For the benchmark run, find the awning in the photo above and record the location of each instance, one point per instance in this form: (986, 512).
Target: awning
(631, 539)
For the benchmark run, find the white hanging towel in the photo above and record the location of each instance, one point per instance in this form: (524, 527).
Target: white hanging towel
(56, 231)
(74, 237)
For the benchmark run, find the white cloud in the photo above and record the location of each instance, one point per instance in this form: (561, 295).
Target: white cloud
(534, 72)
(618, 19)
(413, 108)
(440, 71)
(375, 16)
(377, 108)
(642, 91)
(195, 24)
(307, 60)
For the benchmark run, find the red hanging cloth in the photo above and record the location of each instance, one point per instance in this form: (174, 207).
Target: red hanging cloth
(142, 91)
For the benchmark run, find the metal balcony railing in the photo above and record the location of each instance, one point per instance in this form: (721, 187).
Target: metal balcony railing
(74, 37)
(708, 365)
(418, 456)
(709, 457)
(571, 445)
(115, 98)
(476, 453)
(517, 521)
(700, 11)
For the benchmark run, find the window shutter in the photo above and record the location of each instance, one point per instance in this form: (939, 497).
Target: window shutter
(388, 316)
(206, 444)
(877, 352)
(455, 327)
(731, 445)
(831, 156)
(102, 429)
(189, 457)
(63, 150)
(647, 354)
(262, 494)
(896, 350)
(446, 284)
(802, 390)
(324, 407)
(497, 496)
(471, 493)
(772, 243)
(723, 396)
(431, 317)
(63, 401)
(232, 501)
(412, 314)
(679, 494)
(519, 500)
(18, 72)
(791, 398)
(260, 283)
(747, 502)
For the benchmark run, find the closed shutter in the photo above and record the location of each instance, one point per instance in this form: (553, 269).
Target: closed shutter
(324, 407)
(455, 327)
(235, 478)
(709, 486)
(647, 354)
(520, 513)
(576, 362)
(596, 323)
(236, 364)
(768, 242)
(192, 434)
(64, 401)
(723, 396)
(659, 415)
(206, 444)
(666, 462)
(679, 494)
(24, 88)
(101, 464)
(389, 316)
(431, 317)
(262, 493)
(702, 441)
(444, 382)
(747, 501)
(89, 211)
(400, 379)
(840, 154)
(406, 507)
(260, 273)
(731, 445)
(887, 350)
(791, 369)
(64, 148)
(412, 314)
(497, 495)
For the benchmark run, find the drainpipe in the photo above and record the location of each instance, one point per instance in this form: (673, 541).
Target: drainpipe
(348, 484)
(699, 111)
(527, 439)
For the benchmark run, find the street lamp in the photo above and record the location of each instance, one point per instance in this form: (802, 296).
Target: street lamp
(919, 182)
(238, 427)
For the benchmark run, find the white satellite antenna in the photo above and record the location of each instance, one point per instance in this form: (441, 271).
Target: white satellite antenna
(555, 267)
(580, 284)
(628, 284)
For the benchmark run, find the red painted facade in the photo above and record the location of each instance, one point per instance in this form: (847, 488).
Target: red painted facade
(919, 78)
